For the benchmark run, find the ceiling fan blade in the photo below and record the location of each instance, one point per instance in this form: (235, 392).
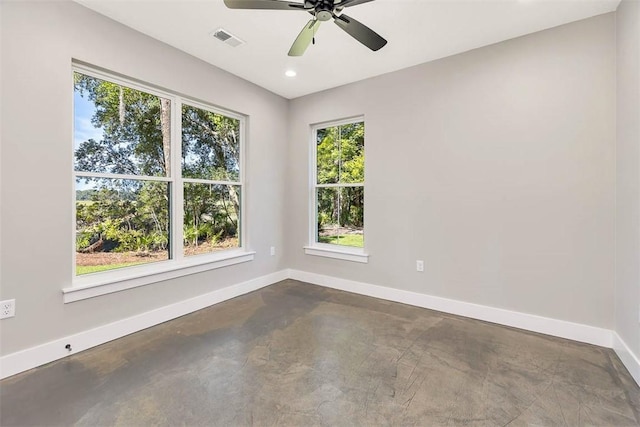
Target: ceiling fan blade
(304, 38)
(349, 3)
(360, 32)
(263, 4)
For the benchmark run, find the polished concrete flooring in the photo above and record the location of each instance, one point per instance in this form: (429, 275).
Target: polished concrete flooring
(300, 355)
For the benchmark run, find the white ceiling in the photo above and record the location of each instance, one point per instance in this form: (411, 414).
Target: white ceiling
(417, 30)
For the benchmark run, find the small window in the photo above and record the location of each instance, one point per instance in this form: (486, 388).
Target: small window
(338, 184)
(147, 161)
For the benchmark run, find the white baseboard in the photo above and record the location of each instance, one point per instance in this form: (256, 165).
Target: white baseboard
(24, 360)
(627, 357)
(530, 322)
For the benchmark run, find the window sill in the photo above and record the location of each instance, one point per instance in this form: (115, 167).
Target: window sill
(93, 285)
(346, 254)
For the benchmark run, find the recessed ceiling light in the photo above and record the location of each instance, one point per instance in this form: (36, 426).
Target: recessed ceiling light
(290, 73)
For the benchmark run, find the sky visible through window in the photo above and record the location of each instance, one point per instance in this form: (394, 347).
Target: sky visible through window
(83, 129)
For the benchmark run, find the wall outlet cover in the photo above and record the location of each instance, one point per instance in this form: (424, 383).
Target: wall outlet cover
(7, 308)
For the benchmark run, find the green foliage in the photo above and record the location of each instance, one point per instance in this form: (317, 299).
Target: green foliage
(83, 240)
(135, 219)
(85, 195)
(210, 212)
(210, 145)
(340, 154)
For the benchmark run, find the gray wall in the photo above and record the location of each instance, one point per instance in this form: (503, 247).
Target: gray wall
(38, 42)
(495, 166)
(627, 295)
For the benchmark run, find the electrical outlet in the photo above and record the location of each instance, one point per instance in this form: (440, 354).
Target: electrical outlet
(7, 308)
(419, 265)
(273, 250)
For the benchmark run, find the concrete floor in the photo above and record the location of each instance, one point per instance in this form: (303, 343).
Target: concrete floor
(301, 355)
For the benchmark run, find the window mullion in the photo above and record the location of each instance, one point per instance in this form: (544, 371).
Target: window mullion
(349, 184)
(313, 202)
(242, 215)
(211, 181)
(177, 205)
(121, 176)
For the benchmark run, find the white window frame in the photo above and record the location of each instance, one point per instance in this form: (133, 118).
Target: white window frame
(328, 250)
(100, 283)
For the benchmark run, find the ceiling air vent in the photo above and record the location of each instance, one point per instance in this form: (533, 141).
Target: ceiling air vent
(226, 37)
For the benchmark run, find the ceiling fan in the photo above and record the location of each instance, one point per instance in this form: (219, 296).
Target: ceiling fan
(322, 10)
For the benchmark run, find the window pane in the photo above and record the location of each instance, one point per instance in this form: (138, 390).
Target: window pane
(211, 218)
(328, 155)
(341, 216)
(120, 130)
(340, 154)
(120, 223)
(210, 145)
(352, 153)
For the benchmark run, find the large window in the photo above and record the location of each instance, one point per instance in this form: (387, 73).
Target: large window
(338, 186)
(158, 178)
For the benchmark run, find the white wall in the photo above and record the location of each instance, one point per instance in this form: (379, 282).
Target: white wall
(496, 167)
(39, 41)
(627, 295)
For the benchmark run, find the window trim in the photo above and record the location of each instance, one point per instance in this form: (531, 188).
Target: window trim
(327, 250)
(141, 275)
(100, 283)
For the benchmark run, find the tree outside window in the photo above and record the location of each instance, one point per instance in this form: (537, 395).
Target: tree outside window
(339, 184)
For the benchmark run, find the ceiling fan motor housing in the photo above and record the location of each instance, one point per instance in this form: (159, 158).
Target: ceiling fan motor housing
(324, 15)
(324, 10)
